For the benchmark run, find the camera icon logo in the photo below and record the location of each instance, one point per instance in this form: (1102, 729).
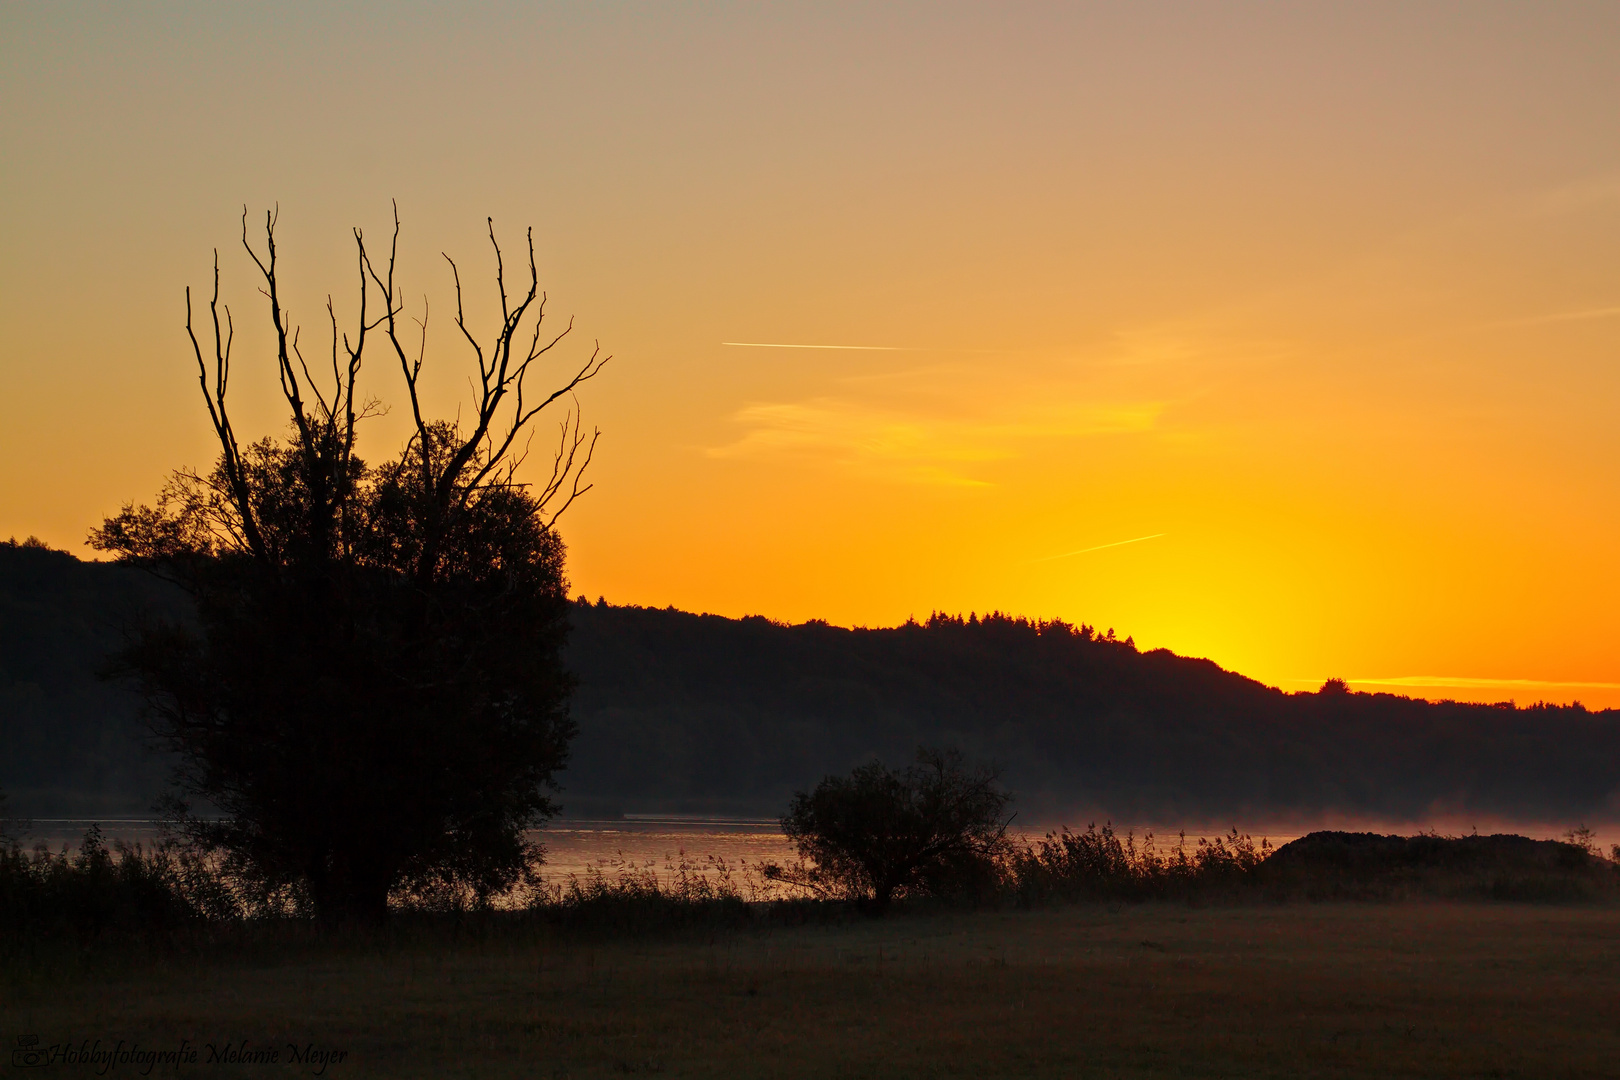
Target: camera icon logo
(29, 1054)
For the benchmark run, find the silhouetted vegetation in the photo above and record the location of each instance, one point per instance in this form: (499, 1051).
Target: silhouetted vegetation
(97, 902)
(934, 828)
(72, 743)
(703, 714)
(697, 713)
(1099, 864)
(93, 897)
(1342, 865)
(371, 692)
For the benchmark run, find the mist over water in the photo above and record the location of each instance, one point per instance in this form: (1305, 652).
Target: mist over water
(579, 846)
(56, 833)
(662, 844)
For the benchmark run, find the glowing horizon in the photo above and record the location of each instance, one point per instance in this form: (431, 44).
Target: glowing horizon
(1307, 317)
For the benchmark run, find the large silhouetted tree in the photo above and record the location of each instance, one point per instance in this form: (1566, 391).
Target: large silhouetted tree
(371, 694)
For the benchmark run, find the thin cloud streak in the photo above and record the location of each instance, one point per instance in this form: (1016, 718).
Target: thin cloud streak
(861, 348)
(1099, 547)
(914, 446)
(1469, 683)
(1556, 317)
(873, 348)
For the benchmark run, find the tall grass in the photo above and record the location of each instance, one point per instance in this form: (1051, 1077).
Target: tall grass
(683, 892)
(1099, 864)
(98, 893)
(102, 898)
(168, 897)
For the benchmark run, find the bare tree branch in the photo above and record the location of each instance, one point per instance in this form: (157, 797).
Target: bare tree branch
(483, 454)
(279, 317)
(231, 453)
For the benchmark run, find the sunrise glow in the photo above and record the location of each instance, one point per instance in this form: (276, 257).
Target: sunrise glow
(1302, 326)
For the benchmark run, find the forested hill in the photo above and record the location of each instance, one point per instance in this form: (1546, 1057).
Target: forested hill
(69, 741)
(701, 712)
(697, 713)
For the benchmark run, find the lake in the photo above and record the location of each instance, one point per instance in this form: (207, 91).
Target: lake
(573, 845)
(579, 846)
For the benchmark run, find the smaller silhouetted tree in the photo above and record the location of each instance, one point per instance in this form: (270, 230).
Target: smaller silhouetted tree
(880, 833)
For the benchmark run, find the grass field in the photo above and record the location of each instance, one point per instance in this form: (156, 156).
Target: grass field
(1416, 989)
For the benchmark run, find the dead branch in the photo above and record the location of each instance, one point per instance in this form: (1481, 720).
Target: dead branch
(503, 409)
(230, 451)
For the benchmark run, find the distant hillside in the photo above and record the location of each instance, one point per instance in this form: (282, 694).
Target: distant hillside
(69, 742)
(701, 712)
(697, 713)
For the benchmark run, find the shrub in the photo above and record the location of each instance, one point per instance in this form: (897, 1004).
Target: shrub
(936, 827)
(1099, 864)
(99, 894)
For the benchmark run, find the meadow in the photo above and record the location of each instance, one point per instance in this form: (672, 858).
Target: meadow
(1417, 988)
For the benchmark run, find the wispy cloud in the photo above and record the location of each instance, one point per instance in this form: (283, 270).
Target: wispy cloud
(778, 345)
(913, 445)
(1464, 682)
(1556, 317)
(866, 348)
(940, 419)
(1099, 547)
(1602, 189)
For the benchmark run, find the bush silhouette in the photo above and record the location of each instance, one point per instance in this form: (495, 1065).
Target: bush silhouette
(932, 828)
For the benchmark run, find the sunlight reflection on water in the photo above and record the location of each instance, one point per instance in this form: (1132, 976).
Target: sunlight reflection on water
(574, 846)
(660, 843)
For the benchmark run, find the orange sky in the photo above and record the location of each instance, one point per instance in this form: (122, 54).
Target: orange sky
(1323, 299)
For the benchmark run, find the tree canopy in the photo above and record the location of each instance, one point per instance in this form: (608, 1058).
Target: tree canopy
(371, 693)
(879, 832)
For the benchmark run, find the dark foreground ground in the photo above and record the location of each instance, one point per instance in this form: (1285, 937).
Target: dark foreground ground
(1389, 990)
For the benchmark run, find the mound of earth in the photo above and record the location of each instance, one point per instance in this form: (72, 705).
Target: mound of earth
(1326, 865)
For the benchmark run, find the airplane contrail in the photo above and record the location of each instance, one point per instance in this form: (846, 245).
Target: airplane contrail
(1560, 316)
(775, 345)
(1463, 682)
(1099, 547)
